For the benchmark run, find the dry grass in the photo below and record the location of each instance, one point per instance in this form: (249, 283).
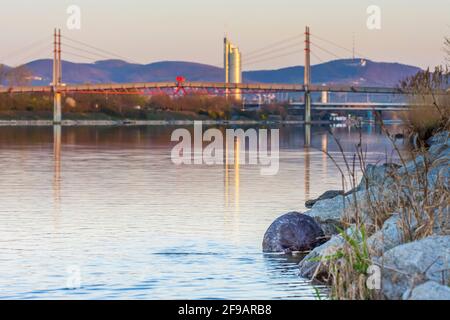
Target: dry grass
(431, 106)
(420, 203)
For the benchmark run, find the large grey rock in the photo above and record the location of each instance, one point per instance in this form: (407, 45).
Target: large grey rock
(328, 213)
(387, 238)
(412, 166)
(439, 138)
(409, 265)
(378, 175)
(429, 291)
(327, 195)
(392, 234)
(437, 151)
(331, 213)
(315, 264)
(439, 175)
(293, 232)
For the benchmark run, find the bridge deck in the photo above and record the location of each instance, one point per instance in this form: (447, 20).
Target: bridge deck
(244, 87)
(357, 106)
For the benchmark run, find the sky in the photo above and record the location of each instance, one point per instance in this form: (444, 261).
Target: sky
(145, 31)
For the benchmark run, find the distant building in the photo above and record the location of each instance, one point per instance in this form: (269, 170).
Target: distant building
(232, 66)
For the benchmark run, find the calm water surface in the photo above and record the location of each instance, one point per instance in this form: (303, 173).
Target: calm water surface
(107, 204)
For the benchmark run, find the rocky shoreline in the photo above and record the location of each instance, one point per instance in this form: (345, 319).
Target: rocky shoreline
(410, 246)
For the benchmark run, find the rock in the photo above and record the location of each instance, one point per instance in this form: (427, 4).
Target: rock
(412, 166)
(293, 232)
(390, 235)
(327, 195)
(439, 138)
(409, 265)
(429, 291)
(328, 214)
(376, 175)
(331, 213)
(439, 175)
(437, 151)
(387, 238)
(315, 264)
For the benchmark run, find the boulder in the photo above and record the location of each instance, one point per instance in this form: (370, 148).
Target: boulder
(328, 213)
(409, 265)
(293, 232)
(315, 264)
(327, 195)
(412, 166)
(429, 291)
(437, 151)
(378, 175)
(439, 138)
(390, 235)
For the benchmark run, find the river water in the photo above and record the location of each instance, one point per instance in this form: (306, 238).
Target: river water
(103, 213)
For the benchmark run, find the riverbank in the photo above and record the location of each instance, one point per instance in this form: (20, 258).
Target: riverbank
(387, 238)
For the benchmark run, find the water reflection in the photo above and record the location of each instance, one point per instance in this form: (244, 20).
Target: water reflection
(307, 168)
(114, 200)
(236, 173)
(235, 192)
(56, 174)
(324, 149)
(237, 176)
(307, 137)
(280, 267)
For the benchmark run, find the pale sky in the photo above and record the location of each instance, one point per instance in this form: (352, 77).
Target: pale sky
(411, 32)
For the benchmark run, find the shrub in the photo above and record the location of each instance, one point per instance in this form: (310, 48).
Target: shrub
(430, 111)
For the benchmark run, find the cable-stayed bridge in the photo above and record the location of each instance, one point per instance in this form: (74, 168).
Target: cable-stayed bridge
(180, 85)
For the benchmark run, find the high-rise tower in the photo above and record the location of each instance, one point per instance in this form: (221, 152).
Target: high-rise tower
(232, 66)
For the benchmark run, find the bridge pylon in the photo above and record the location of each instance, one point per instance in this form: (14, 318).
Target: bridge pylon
(307, 83)
(307, 78)
(57, 76)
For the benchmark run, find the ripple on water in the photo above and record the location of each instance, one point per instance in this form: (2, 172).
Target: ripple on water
(113, 207)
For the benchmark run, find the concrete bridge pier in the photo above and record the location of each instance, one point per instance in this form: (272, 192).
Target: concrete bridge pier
(307, 106)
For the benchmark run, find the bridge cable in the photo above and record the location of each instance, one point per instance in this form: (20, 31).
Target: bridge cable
(327, 51)
(90, 59)
(273, 57)
(100, 50)
(25, 49)
(273, 45)
(85, 51)
(339, 46)
(317, 57)
(259, 56)
(48, 48)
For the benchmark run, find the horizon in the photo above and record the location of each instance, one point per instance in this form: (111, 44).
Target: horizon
(210, 65)
(409, 43)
